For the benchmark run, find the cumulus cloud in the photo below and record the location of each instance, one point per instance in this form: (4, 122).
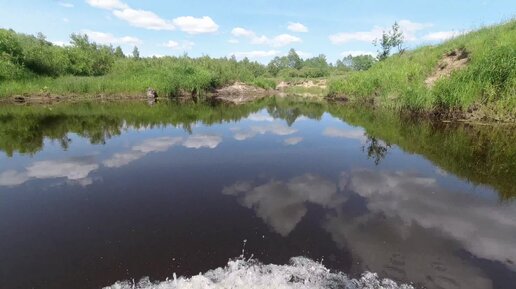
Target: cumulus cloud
(486, 228)
(256, 54)
(108, 38)
(160, 144)
(74, 169)
(276, 129)
(143, 19)
(441, 35)
(276, 41)
(13, 178)
(197, 141)
(292, 141)
(150, 20)
(184, 45)
(282, 204)
(192, 25)
(345, 133)
(257, 116)
(297, 27)
(409, 29)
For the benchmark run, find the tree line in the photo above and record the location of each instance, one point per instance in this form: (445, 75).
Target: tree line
(25, 56)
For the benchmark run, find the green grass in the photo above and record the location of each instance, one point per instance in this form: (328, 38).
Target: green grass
(488, 81)
(168, 76)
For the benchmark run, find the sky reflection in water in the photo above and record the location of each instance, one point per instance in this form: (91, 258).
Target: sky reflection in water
(153, 201)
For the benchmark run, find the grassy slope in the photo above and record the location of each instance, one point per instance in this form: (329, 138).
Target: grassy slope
(488, 81)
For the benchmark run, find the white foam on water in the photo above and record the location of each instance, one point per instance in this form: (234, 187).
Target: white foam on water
(301, 273)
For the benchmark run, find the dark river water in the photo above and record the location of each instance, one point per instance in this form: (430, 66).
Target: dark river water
(91, 194)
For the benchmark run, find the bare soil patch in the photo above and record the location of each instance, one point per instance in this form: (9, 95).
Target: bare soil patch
(451, 61)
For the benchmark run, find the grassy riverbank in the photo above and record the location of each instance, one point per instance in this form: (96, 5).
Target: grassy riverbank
(485, 86)
(471, 76)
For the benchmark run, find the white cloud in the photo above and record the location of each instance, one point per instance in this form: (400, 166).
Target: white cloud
(66, 4)
(242, 32)
(276, 129)
(202, 140)
(108, 38)
(277, 41)
(192, 25)
(72, 169)
(363, 36)
(160, 144)
(345, 133)
(408, 28)
(144, 19)
(66, 20)
(13, 178)
(357, 53)
(150, 20)
(260, 116)
(292, 141)
(441, 35)
(297, 27)
(282, 204)
(283, 40)
(255, 54)
(484, 227)
(185, 45)
(108, 4)
(233, 41)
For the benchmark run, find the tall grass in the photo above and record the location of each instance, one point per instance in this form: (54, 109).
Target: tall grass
(488, 80)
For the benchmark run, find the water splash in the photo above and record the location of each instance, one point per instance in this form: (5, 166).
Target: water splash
(301, 273)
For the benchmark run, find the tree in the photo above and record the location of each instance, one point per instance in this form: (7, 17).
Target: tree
(390, 39)
(136, 53)
(294, 61)
(359, 62)
(276, 65)
(119, 53)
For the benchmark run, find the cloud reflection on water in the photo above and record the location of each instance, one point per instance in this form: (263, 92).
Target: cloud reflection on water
(412, 229)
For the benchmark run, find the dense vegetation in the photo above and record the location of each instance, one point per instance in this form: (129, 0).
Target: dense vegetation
(31, 64)
(488, 80)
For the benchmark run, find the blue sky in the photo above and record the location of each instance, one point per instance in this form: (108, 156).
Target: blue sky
(258, 29)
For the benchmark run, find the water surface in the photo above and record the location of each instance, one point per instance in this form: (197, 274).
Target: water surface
(95, 193)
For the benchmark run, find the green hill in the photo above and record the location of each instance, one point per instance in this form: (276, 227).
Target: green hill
(477, 77)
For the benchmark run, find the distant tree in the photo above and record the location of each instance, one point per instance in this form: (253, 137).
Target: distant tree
(119, 53)
(276, 65)
(136, 53)
(359, 62)
(390, 39)
(294, 61)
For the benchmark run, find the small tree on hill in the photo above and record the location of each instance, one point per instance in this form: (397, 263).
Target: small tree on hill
(390, 39)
